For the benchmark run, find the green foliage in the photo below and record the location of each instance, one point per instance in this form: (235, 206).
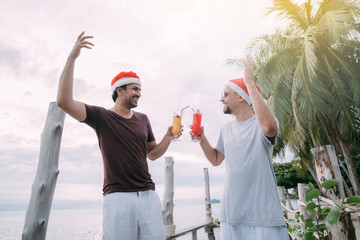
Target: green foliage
(287, 174)
(332, 214)
(354, 199)
(309, 236)
(310, 207)
(338, 203)
(323, 212)
(330, 183)
(313, 193)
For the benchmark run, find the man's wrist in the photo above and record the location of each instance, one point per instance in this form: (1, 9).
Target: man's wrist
(71, 58)
(249, 84)
(203, 140)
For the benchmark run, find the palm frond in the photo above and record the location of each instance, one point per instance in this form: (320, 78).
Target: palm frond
(341, 113)
(346, 69)
(310, 59)
(300, 132)
(329, 5)
(309, 99)
(335, 24)
(288, 10)
(235, 63)
(308, 12)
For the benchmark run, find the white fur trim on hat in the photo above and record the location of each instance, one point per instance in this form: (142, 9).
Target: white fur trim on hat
(124, 81)
(239, 91)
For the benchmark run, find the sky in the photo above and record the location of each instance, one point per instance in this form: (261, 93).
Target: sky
(178, 48)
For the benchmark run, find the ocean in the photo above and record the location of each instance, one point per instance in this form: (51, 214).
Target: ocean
(86, 224)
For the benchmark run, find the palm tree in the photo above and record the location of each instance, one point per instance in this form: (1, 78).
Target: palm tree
(310, 73)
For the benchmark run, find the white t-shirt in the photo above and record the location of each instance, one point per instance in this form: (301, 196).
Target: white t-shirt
(250, 192)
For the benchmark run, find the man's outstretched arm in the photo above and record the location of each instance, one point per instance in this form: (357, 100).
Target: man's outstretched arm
(262, 111)
(65, 99)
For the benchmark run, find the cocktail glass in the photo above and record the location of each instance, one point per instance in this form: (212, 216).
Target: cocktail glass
(196, 125)
(176, 126)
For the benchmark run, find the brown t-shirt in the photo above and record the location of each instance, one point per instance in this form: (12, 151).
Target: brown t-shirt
(122, 144)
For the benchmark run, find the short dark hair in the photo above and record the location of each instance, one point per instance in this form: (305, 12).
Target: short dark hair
(115, 95)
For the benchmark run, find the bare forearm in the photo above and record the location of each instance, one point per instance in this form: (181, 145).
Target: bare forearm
(65, 89)
(214, 156)
(262, 111)
(159, 149)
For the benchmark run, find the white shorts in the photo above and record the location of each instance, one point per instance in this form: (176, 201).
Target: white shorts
(243, 232)
(132, 216)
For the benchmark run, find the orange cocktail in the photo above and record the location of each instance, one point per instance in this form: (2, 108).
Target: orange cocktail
(196, 126)
(176, 125)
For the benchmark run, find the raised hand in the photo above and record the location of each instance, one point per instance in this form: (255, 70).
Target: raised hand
(80, 43)
(248, 65)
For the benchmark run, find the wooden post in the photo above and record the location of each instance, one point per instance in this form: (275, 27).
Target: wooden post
(168, 205)
(354, 179)
(38, 211)
(302, 188)
(209, 219)
(288, 200)
(281, 193)
(194, 235)
(328, 168)
(208, 211)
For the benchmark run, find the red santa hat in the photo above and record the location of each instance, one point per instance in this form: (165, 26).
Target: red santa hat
(124, 78)
(238, 85)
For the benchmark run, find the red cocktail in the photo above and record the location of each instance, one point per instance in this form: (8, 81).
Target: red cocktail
(196, 126)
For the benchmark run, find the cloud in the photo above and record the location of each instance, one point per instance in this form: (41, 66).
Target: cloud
(10, 57)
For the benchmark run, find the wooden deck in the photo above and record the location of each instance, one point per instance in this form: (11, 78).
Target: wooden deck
(193, 230)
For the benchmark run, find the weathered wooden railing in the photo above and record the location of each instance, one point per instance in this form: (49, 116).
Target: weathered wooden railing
(168, 206)
(193, 230)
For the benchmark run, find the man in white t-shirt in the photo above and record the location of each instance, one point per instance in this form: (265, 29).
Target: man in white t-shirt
(251, 207)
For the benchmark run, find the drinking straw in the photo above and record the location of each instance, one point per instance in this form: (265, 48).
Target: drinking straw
(183, 110)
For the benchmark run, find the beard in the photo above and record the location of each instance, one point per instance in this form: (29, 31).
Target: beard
(227, 110)
(130, 103)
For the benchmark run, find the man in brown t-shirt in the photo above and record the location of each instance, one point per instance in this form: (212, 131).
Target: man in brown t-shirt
(132, 209)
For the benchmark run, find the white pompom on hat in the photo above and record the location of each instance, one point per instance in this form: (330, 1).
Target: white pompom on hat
(124, 78)
(238, 85)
